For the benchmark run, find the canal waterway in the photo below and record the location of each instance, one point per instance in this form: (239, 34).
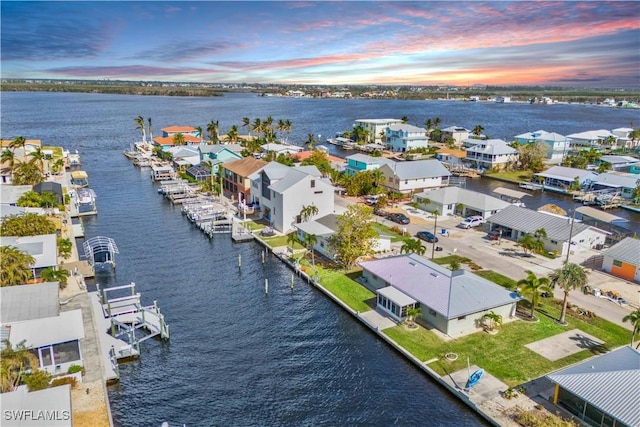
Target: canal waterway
(237, 356)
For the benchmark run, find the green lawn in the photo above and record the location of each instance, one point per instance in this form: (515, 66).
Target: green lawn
(277, 241)
(253, 226)
(446, 260)
(386, 231)
(498, 278)
(341, 284)
(504, 354)
(511, 176)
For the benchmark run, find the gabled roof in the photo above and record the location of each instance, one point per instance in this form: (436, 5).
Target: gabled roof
(28, 302)
(294, 176)
(275, 171)
(529, 221)
(492, 146)
(450, 293)
(610, 382)
(304, 155)
(246, 166)
(419, 169)
(183, 151)
(628, 250)
(272, 146)
(565, 173)
(472, 199)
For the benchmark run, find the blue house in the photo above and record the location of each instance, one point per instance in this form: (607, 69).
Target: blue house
(219, 153)
(362, 162)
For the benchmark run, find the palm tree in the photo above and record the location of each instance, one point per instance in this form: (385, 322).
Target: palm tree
(454, 264)
(311, 140)
(178, 139)
(292, 238)
(139, 121)
(232, 135)
(199, 130)
(212, 131)
(246, 123)
(16, 266)
(529, 244)
(412, 314)
(257, 125)
(58, 165)
(428, 124)
(8, 156)
(570, 276)
(37, 157)
(309, 242)
(19, 142)
(15, 362)
(377, 178)
(495, 320)
(477, 131)
(634, 319)
(533, 285)
(287, 128)
(413, 246)
(307, 212)
(436, 123)
(55, 275)
(268, 128)
(150, 131)
(405, 119)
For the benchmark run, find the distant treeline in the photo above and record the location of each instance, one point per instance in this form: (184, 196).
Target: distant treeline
(517, 93)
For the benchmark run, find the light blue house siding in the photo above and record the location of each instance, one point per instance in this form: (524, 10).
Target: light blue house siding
(360, 163)
(403, 137)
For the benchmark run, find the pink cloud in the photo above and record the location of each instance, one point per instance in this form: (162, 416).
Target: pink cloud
(130, 71)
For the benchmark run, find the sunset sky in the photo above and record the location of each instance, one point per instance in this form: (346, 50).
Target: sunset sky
(587, 44)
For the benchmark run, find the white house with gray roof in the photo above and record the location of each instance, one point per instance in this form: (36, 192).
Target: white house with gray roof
(459, 201)
(490, 154)
(412, 176)
(456, 133)
(43, 248)
(376, 127)
(556, 145)
(282, 191)
(454, 302)
(591, 138)
(603, 390)
(623, 259)
(624, 183)
(403, 137)
(515, 222)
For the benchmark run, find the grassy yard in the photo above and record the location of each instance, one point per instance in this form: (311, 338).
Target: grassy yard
(341, 284)
(511, 176)
(277, 241)
(387, 231)
(504, 354)
(253, 226)
(498, 278)
(446, 260)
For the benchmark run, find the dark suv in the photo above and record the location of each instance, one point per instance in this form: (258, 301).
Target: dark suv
(400, 218)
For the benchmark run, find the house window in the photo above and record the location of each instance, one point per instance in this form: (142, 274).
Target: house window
(617, 263)
(66, 352)
(317, 192)
(313, 183)
(433, 313)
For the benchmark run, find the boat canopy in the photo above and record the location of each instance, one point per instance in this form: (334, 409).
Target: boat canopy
(514, 194)
(79, 175)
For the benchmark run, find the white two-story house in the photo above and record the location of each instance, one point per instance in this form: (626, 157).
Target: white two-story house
(488, 154)
(376, 127)
(283, 191)
(557, 145)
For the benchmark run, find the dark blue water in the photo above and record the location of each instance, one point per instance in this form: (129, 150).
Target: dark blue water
(236, 356)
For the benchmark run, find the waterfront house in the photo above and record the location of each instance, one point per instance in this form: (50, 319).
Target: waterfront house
(184, 156)
(503, 99)
(43, 248)
(618, 163)
(10, 194)
(162, 173)
(278, 149)
(459, 201)
(623, 259)
(588, 139)
(55, 402)
(489, 154)
(50, 187)
(363, 162)
(561, 178)
(516, 221)
(556, 145)
(189, 133)
(455, 133)
(602, 390)
(624, 184)
(284, 191)
(419, 175)
(376, 127)
(623, 138)
(325, 227)
(403, 137)
(199, 173)
(454, 302)
(451, 156)
(219, 153)
(236, 177)
(31, 314)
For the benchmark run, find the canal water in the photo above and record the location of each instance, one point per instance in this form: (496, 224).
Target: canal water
(237, 356)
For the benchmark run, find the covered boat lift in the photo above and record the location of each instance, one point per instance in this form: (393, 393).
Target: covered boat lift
(100, 252)
(512, 196)
(615, 225)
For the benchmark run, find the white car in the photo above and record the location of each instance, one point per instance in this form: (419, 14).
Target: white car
(471, 221)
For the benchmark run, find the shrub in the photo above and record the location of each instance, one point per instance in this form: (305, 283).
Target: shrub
(64, 380)
(536, 418)
(75, 368)
(38, 380)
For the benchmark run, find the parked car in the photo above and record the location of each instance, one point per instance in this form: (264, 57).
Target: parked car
(381, 212)
(497, 233)
(471, 221)
(400, 218)
(427, 235)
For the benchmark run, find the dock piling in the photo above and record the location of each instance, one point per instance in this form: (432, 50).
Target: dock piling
(266, 286)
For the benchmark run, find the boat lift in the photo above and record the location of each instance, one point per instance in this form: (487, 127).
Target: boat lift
(100, 252)
(127, 316)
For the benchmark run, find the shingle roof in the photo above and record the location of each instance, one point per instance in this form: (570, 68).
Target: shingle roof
(245, 167)
(419, 169)
(452, 294)
(610, 382)
(628, 250)
(528, 221)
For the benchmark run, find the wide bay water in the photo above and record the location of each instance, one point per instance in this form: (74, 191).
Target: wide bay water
(236, 356)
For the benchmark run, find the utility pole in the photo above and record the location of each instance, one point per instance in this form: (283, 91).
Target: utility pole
(573, 219)
(435, 226)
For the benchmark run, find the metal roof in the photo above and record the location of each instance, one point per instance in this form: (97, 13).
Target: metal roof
(396, 296)
(611, 179)
(492, 146)
(565, 173)
(28, 302)
(52, 400)
(628, 250)
(610, 382)
(594, 213)
(528, 221)
(452, 294)
(42, 248)
(419, 169)
(514, 194)
(67, 326)
(472, 199)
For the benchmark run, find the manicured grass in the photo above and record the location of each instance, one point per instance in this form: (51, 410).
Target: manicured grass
(504, 354)
(511, 176)
(498, 278)
(446, 260)
(253, 226)
(277, 241)
(57, 151)
(341, 284)
(387, 231)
